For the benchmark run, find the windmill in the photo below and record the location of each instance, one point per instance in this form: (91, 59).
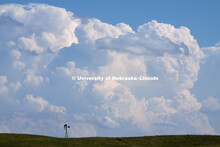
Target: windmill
(65, 127)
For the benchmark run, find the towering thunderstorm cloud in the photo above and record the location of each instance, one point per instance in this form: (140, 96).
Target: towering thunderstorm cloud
(42, 47)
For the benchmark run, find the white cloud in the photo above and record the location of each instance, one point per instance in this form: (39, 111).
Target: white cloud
(35, 35)
(71, 70)
(10, 44)
(200, 123)
(161, 106)
(82, 85)
(34, 42)
(15, 86)
(106, 89)
(212, 48)
(157, 49)
(3, 87)
(155, 38)
(147, 113)
(28, 15)
(211, 103)
(16, 54)
(32, 78)
(98, 29)
(39, 104)
(30, 44)
(171, 65)
(19, 65)
(108, 122)
(123, 65)
(186, 101)
(121, 103)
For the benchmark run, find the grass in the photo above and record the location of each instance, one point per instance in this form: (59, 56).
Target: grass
(22, 140)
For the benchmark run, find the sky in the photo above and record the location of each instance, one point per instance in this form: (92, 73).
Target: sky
(45, 46)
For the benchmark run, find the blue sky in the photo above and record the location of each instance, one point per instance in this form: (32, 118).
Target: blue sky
(43, 45)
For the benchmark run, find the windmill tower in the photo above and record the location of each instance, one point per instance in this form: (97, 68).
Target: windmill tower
(65, 127)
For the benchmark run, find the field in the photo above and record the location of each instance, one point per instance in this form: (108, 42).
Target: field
(22, 140)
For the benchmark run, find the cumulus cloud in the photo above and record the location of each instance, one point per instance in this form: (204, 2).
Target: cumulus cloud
(34, 42)
(121, 103)
(147, 113)
(30, 44)
(177, 51)
(15, 86)
(211, 103)
(16, 54)
(123, 65)
(17, 63)
(39, 104)
(63, 36)
(38, 53)
(71, 70)
(32, 78)
(187, 102)
(98, 30)
(3, 87)
(158, 49)
(212, 48)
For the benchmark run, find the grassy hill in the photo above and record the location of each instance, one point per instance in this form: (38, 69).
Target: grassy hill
(21, 140)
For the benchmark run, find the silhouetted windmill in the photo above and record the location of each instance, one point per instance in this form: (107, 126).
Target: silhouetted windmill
(65, 127)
